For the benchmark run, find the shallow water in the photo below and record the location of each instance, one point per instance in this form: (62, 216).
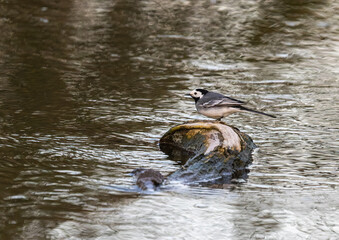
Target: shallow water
(87, 88)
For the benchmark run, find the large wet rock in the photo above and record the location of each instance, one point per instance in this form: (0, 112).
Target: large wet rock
(211, 152)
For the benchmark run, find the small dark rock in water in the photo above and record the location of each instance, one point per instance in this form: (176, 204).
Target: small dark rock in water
(148, 179)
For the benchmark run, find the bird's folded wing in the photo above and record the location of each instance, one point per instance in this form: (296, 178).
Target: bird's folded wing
(222, 102)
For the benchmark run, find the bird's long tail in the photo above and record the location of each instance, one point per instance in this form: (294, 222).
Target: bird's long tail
(254, 111)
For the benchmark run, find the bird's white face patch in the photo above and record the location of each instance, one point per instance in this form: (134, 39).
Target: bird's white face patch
(196, 94)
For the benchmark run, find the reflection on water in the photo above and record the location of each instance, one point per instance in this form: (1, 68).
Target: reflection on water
(88, 88)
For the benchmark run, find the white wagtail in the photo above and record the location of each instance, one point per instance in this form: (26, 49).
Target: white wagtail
(217, 106)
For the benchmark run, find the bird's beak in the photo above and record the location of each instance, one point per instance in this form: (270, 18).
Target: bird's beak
(188, 95)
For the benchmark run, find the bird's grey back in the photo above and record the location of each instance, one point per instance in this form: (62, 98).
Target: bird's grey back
(213, 96)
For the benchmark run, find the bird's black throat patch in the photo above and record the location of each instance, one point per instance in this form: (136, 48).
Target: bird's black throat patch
(195, 99)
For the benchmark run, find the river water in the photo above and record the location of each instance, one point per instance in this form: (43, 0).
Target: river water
(87, 88)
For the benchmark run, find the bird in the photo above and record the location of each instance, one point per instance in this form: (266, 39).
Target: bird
(218, 106)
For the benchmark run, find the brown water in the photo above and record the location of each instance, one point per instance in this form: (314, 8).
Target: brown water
(87, 88)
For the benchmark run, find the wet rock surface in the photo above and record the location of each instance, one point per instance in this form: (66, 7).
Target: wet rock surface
(211, 152)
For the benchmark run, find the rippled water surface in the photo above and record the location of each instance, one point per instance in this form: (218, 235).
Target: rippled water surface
(87, 88)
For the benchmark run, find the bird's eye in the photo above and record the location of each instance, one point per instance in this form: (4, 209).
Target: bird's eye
(195, 93)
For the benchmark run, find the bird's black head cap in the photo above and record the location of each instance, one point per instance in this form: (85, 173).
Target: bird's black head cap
(203, 91)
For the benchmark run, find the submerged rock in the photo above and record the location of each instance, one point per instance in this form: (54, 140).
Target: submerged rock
(211, 152)
(148, 179)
